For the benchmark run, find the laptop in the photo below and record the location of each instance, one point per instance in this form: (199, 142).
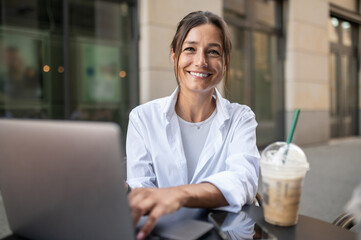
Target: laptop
(65, 180)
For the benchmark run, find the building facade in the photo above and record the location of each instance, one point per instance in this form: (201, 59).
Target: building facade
(286, 55)
(70, 59)
(96, 60)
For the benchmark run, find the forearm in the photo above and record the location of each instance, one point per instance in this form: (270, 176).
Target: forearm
(202, 195)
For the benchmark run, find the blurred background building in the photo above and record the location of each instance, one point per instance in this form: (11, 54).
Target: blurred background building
(97, 59)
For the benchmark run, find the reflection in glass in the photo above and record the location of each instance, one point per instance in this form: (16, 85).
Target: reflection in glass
(235, 84)
(349, 95)
(266, 12)
(343, 80)
(256, 68)
(21, 77)
(238, 226)
(334, 22)
(266, 86)
(99, 68)
(333, 95)
(345, 84)
(75, 68)
(346, 33)
(237, 6)
(100, 60)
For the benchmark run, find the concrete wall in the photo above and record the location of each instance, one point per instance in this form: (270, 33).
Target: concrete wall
(158, 22)
(307, 70)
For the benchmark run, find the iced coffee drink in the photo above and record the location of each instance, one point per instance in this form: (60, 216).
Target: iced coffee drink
(283, 168)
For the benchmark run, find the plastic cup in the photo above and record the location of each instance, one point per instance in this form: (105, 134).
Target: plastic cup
(283, 169)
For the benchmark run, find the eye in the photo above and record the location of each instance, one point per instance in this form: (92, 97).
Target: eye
(189, 49)
(214, 52)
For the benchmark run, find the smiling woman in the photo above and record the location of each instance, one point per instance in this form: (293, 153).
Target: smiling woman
(200, 64)
(193, 148)
(200, 69)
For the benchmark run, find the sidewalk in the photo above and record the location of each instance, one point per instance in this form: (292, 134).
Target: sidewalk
(335, 171)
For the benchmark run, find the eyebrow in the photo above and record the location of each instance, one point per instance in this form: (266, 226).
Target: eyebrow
(211, 44)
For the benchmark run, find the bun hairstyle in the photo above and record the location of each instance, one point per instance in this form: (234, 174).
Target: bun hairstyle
(195, 19)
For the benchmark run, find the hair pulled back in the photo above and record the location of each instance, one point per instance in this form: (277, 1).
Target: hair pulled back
(195, 19)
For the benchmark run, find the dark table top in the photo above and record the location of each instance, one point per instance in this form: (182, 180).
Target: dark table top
(250, 221)
(307, 228)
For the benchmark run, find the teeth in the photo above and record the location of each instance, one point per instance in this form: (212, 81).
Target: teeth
(199, 74)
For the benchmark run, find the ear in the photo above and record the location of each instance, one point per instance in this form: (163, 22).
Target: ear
(172, 55)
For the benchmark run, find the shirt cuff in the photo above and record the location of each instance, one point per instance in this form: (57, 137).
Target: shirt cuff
(236, 192)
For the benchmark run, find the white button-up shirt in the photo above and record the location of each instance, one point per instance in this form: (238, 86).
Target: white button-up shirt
(229, 159)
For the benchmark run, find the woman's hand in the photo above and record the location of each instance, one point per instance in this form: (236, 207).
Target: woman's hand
(155, 202)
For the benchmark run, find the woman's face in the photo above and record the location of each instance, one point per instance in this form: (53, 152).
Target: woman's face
(201, 63)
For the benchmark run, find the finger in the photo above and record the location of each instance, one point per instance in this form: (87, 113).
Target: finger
(134, 198)
(142, 208)
(147, 205)
(135, 216)
(153, 217)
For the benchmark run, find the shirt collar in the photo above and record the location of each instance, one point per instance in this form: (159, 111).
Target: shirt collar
(169, 108)
(221, 105)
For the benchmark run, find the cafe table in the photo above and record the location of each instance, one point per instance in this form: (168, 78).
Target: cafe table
(250, 224)
(307, 228)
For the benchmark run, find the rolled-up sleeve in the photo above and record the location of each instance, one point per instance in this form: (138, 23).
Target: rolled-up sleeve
(239, 182)
(140, 172)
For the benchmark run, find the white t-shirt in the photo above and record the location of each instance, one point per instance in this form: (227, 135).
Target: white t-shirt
(194, 136)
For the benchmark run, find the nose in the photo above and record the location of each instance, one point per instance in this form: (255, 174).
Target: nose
(201, 59)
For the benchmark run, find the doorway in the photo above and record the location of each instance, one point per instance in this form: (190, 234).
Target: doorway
(343, 79)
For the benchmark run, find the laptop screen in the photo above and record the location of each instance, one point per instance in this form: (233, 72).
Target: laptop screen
(62, 180)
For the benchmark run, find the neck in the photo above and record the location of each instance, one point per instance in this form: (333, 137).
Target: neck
(195, 107)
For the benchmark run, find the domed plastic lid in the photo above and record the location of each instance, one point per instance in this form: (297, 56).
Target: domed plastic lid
(283, 155)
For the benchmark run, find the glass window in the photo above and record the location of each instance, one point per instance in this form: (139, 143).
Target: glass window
(24, 73)
(343, 85)
(74, 61)
(266, 86)
(256, 68)
(346, 33)
(236, 6)
(345, 81)
(235, 84)
(266, 12)
(333, 85)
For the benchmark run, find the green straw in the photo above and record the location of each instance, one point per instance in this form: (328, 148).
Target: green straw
(290, 135)
(294, 123)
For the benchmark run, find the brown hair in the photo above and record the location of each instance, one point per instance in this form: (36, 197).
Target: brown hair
(195, 19)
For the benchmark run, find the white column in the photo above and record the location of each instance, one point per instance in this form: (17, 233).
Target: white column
(307, 70)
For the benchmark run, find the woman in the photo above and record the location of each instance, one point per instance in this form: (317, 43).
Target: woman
(193, 148)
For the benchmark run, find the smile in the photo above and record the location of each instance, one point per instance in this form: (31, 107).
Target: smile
(203, 75)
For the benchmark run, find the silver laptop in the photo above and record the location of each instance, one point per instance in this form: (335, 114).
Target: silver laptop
(62, 180)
